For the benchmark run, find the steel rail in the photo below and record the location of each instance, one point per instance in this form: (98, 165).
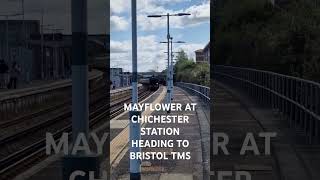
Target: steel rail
(34, 152)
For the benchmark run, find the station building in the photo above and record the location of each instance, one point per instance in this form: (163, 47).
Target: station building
(119, 78)
(14, 37)
(199, 56)
(203, 55)
(43, 56)
(206, 53)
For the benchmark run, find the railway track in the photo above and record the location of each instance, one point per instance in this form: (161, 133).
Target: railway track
(28, 118)
(26, 156)
(48, 122)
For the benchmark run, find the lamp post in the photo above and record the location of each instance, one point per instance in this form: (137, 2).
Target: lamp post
(169, 89)
(171, 65)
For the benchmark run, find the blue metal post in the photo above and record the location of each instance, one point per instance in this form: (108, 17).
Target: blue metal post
(80, 95)
(134, 127)
(168, 69)
(171, 69)
(80, 92)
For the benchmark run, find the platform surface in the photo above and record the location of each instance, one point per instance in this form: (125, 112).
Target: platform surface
(37, 85)
(196, 131)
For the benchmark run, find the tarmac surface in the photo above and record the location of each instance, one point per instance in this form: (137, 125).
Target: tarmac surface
(236, 115)
(196, 132)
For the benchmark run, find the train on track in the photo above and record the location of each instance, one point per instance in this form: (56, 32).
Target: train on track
(151, 82)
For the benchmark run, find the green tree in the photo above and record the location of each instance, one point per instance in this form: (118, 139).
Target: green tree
(283, 39)
(186, 70)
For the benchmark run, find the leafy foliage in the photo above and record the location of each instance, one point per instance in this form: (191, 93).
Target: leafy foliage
(186, 70)
(283, 39)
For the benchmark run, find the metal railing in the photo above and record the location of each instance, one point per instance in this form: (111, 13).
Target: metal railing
(295, 99)
(202, 92)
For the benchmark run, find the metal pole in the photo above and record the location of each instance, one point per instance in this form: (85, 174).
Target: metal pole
(7, 39)
(42, 48)
(171, 69)
(80, 109)
(134, 127)
(52, 32)
(23, 25)
(134, 54)
(80, 97)
(168, 69)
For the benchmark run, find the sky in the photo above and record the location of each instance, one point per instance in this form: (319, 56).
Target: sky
(57, 13)
(193, 29)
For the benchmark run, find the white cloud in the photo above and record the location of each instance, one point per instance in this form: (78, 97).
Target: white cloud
(150, 53)
(122, 6)
(118, 23)
(199, 13)
(119, 6)
(119, 46)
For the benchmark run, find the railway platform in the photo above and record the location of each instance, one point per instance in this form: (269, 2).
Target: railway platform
(236, 115)
(43, 84)
(196, 131)
(36, 96)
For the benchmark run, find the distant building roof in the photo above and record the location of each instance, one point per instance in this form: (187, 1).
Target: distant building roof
(199, 50)
(207, 46)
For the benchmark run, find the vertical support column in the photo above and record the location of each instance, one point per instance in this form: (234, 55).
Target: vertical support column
(317, 111)
(23, 25)
(134, 127)
(171, 73)
(42, 46)
(7, 39)
(81, 161)
(168, 69)
(80, 109)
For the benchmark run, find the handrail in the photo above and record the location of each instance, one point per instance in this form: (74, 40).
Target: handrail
(296, 99)
(201, 91)
(270, 72)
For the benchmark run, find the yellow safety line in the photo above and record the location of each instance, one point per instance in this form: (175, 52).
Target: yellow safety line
(119, 143)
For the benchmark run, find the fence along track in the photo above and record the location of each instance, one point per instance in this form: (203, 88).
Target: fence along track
(297, 100)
